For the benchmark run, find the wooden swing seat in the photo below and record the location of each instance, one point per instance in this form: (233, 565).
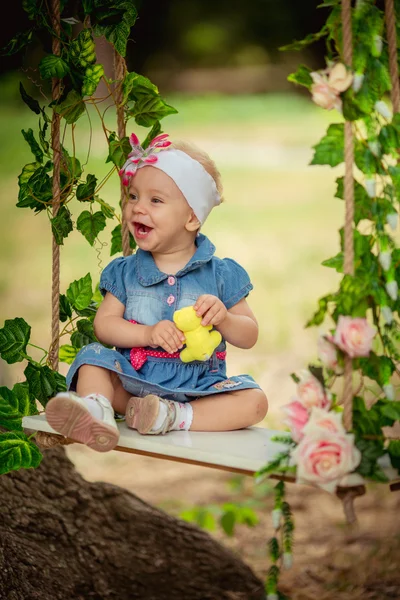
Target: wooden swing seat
(244, 451)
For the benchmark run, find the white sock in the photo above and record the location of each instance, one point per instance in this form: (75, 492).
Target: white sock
(94, 407)
(183, 418)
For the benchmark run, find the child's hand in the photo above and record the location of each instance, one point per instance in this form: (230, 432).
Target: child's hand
(211, 309)
(167, 335)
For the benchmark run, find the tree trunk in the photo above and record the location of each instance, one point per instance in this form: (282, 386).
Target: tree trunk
(62, 538)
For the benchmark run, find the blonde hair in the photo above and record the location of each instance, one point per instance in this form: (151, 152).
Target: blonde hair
(204, 159)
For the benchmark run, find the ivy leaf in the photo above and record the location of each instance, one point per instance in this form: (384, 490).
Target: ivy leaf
(53, 66)
(330, 150)
(61, 382)
(85, 334)
(105, 208)
(154, 132)
(61, 225)
(118, 150)
(116, 240)
(228, 521)
(41, 380)
(302, 76)
(85, 191)
(65, 309)
(367, 162)
(377, 368)
(29, 101)
(389, 139)
(34, 146)
(319, 315)
(113, 19)
(15, 404)
(135, 85)
(362, 202)
(42, 135)
(17, 452)
(18, 42)
(71, 108)
(14, 337)
(394, 448)
(391, 410)
(309, 39)
(90, 224)
(67, 354)
(149, 109)
(36, 190)
(336, 262)
(80, 292)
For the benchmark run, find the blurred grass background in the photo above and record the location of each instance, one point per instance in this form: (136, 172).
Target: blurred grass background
(279, 220)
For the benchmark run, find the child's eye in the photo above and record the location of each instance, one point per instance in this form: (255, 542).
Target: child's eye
(132, 197)
(156, 201)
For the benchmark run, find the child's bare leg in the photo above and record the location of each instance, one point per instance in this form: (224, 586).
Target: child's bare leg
(229, 411)
(96, 380)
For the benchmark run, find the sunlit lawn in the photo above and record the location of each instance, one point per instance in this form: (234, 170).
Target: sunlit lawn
(279, 218)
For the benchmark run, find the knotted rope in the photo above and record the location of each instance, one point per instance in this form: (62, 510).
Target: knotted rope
(349, 203)
(119, 72)
(390, 18)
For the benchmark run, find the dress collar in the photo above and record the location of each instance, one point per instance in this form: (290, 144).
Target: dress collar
(149, 274)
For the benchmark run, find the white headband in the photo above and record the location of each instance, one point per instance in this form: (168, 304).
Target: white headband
(198, 187)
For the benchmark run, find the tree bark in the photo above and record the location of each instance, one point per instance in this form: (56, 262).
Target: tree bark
(63, 538)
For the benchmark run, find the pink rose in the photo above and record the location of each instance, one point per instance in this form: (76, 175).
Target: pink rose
(327, 352)
(310, 392)
(297, 417)
(328, 84)
(325, 459)
(328, 421)
(354, 336)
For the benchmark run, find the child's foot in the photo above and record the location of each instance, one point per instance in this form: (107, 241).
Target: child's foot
(142, 413)
(68, 414)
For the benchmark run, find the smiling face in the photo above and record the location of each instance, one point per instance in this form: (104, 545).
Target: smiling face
(157, 214)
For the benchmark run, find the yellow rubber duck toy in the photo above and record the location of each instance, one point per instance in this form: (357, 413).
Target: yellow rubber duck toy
(199, 339)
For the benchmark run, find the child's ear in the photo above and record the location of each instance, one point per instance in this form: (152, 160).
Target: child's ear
(193, 224)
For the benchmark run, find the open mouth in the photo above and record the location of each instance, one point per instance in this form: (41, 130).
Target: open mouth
(141, 232)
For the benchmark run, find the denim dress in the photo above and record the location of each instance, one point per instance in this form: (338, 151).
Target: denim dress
(151, 296)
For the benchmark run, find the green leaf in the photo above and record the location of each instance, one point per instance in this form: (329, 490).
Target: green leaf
(330, 150)
(17, 43)
(71, 108)
(42, 382)
(61, 382)
(114, 19)
(394, 448)
(336, 262)
(135, 85)
(14, 337)
(309, 39)
(391, 410)
(154, 132)
(42, 135)
(85, 334)
(302, 76)
(17, 452)
(65, 309)
(107, 210)
(29, 101)
(85, 191)
(389, 138)
(228, 521)
(80, 292)
(34, 146)
(362, 202)
(118, 150)
(90, 225)
(149, 109)
(319, 315)
(36, 190)
(15, 404)
(67, 354)
(116, 240)
(61, 225)
(367, 162)
(53, 66)
(377, 368)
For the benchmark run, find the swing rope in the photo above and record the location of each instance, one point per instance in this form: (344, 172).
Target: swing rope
(349, 210)
(120, 71)
(56, 147)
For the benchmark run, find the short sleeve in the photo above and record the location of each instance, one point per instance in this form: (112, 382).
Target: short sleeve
(233, 282)
(112, 279)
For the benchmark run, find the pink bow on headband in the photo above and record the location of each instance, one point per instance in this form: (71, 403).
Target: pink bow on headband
(140, 154)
